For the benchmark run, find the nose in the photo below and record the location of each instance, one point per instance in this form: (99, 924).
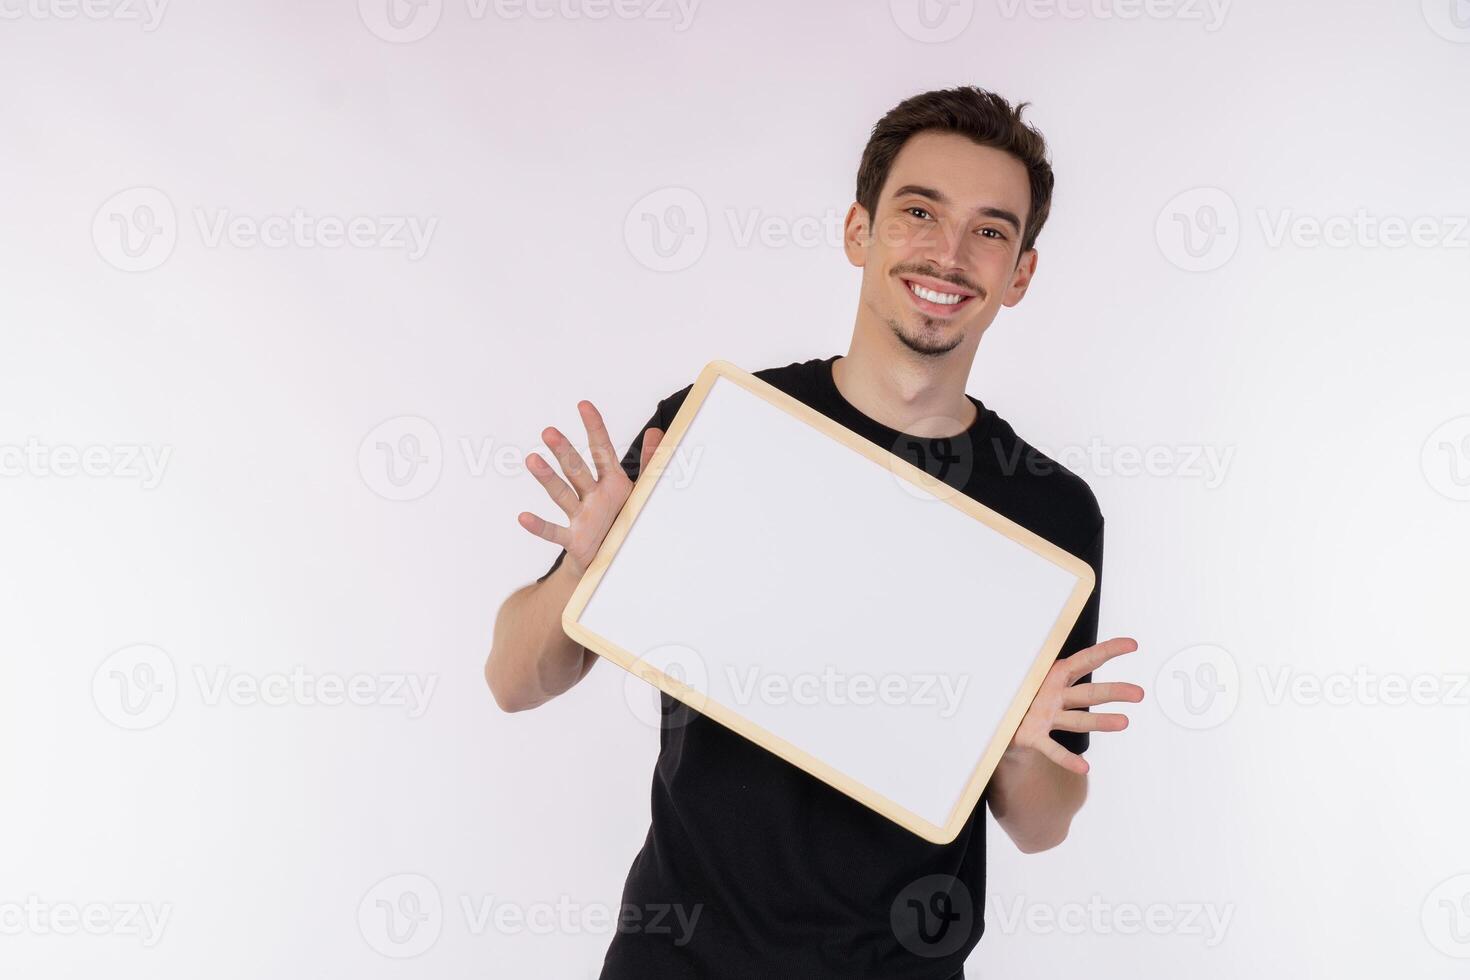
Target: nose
(945, 252)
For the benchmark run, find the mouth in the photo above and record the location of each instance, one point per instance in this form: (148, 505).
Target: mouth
(936, 298)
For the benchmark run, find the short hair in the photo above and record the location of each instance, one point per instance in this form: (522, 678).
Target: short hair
(983, 117)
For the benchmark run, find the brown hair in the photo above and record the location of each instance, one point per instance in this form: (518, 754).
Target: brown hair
(985, 118)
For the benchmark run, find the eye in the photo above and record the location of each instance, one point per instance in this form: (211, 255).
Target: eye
(914, 207)
(999, 235)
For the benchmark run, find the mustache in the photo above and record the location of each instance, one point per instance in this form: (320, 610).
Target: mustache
(959, 281)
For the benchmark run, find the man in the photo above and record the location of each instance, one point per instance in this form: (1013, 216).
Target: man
(788, 877)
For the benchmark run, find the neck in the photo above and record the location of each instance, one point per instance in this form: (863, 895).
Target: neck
(906, 391)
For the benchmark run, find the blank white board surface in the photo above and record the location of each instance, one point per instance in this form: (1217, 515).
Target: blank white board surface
(827, 599)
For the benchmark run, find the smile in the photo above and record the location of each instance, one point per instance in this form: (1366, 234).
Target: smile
(935, 301)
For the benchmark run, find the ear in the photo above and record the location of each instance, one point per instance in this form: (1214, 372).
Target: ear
(1020, 278)
(857, 234)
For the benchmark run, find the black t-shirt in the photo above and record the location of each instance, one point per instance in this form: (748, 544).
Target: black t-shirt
(752, 868)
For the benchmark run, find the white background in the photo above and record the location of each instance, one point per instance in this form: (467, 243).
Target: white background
(1328, 381)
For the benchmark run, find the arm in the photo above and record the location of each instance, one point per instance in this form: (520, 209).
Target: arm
(1038, 786)
(1034, 799)
(531, 659)
(1041, 780)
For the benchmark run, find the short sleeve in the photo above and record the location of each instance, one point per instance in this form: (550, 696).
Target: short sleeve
(632, 460)
(1083, 635)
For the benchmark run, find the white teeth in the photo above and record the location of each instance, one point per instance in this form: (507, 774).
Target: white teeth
(945, 299)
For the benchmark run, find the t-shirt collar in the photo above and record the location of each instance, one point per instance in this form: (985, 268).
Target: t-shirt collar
(849, 415)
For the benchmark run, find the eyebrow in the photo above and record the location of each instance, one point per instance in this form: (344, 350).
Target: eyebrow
(919, 190)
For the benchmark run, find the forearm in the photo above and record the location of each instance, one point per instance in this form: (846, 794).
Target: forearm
(532, 660)
(1034, 799)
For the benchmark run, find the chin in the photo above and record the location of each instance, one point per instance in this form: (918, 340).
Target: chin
(930, 339)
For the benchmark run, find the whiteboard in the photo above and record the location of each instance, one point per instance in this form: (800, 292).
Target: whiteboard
(827, 599)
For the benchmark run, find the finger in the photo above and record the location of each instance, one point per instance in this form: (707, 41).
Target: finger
(1070, 761)
(1086, 661)
(571, 461)
(651, 438)
(604, 457)
(554, 533)
(1080, 695)
(1089, 721)
(556, 487)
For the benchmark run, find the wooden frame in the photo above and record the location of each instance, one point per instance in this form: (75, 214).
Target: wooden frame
(938, 832)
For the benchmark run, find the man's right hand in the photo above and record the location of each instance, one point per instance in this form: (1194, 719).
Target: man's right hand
(592, 502)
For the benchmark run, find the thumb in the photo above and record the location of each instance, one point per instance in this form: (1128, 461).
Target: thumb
(651, 438)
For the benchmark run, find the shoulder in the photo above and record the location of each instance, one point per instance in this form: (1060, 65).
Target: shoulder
(1042, 486)
(790, 378)
(793, 375)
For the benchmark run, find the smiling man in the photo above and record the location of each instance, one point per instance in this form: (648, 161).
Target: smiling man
(788, 877)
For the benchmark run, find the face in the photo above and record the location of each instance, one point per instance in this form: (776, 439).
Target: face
(942, 252)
